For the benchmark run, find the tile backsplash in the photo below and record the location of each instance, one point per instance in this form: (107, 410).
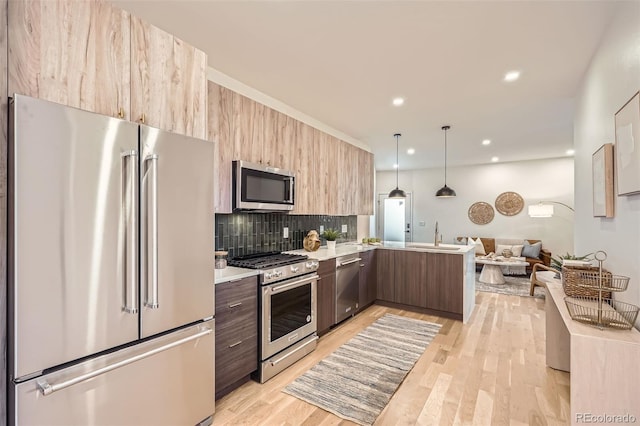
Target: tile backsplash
(246, 233)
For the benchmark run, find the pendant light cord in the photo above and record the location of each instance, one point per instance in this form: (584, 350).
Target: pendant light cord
(397, 162)
(445, 157)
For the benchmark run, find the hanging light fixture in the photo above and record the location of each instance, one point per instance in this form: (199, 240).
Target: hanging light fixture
(397, 193)
(445, 191)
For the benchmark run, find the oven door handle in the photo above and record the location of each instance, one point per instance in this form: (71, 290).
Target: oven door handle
(288, 286)
(282, 358)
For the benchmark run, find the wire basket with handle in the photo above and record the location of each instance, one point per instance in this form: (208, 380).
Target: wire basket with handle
(602, 313)
(582, 281)
(597, 308)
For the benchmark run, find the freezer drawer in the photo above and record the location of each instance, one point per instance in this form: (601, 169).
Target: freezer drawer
(174, 385)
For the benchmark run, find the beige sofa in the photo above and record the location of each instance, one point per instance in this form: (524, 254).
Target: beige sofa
(490, 245)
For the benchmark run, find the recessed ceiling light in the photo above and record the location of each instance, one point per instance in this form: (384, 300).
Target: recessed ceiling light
(486, 142)
(494, 159)
(512, 76)
(398, 101)
(571, 151)
(395, 166)
(411, 151)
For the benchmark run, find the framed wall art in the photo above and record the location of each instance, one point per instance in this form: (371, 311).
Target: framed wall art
(628, 147)
(602, 174)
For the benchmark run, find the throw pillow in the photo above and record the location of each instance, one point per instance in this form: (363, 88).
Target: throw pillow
(516, 249)
(479, 246)
(532, 250)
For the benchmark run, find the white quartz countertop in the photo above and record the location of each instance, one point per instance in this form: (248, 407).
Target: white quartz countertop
(349, 248)
(428, 247)
(231, 273)
(341, 250)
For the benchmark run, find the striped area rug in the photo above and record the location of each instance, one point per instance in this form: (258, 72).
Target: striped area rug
(357, 380)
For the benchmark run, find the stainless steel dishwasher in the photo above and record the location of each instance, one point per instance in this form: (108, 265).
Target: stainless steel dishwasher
(347, 286)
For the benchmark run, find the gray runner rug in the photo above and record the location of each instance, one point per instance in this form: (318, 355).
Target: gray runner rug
(357, 380)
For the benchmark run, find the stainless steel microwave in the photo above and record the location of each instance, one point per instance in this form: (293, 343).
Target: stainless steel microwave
(259, 187)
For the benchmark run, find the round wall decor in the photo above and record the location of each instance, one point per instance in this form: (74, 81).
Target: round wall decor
(481, 213)
(509, 203)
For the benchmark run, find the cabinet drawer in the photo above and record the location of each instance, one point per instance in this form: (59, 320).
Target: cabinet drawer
(236, 300)
(232, 331)
(327, 267)
(235, 360)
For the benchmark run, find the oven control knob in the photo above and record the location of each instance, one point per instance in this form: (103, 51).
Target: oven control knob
(311, 265)
(278, 274)
(268, 275)
(294, 269)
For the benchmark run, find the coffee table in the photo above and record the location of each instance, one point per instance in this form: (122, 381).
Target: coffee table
(491, 271)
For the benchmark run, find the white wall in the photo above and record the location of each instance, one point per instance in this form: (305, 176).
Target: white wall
(533, 180)
(612, 78)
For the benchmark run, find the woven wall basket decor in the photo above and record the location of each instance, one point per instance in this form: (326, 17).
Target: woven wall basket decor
(509, 203)
(481, 213)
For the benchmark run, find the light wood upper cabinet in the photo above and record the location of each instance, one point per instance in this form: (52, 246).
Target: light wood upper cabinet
(220, 118)
(280, 133)
(365, 183)
(347, 178)
(168, 81)
(76, 53)
(248, 129)
(332, 176)
(80, 53)
(302, 144)
(326, 151)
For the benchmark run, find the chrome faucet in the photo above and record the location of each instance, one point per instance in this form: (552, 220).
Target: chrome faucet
(436, 240)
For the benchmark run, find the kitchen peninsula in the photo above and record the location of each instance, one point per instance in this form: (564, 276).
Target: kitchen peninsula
(420, 276)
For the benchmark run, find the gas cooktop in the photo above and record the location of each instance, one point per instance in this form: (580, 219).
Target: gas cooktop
(266, 260)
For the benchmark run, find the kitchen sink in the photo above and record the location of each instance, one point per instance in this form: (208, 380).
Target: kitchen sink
(429, 246)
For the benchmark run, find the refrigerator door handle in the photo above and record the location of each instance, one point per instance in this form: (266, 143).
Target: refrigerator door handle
(149, 252)
(47, 388)
(130, 213)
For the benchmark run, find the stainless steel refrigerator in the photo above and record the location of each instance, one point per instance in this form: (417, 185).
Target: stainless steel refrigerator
(111, 309)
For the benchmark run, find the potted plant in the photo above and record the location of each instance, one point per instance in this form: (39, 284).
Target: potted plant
(331, 235)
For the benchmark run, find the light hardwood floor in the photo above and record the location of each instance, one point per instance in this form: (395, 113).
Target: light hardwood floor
(490, 371)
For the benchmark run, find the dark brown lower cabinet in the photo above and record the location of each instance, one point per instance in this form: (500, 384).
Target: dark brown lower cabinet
(368, 282)
(445, 281)
(411, 278)
(236, 333)
(326, 294)
(431, 281)
(385, 276)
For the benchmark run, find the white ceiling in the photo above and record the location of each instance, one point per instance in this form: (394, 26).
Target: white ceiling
(342, 62)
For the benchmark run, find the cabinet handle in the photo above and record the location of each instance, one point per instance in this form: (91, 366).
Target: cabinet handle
(233, 345)
(235, 305)
(142, 119)
(121, 113)
(362, 265)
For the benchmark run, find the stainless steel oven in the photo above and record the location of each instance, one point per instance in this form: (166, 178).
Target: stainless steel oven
(288, 313)
(288, 307)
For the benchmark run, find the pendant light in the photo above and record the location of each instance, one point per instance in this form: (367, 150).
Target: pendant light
(397, 193)
(445, 191)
